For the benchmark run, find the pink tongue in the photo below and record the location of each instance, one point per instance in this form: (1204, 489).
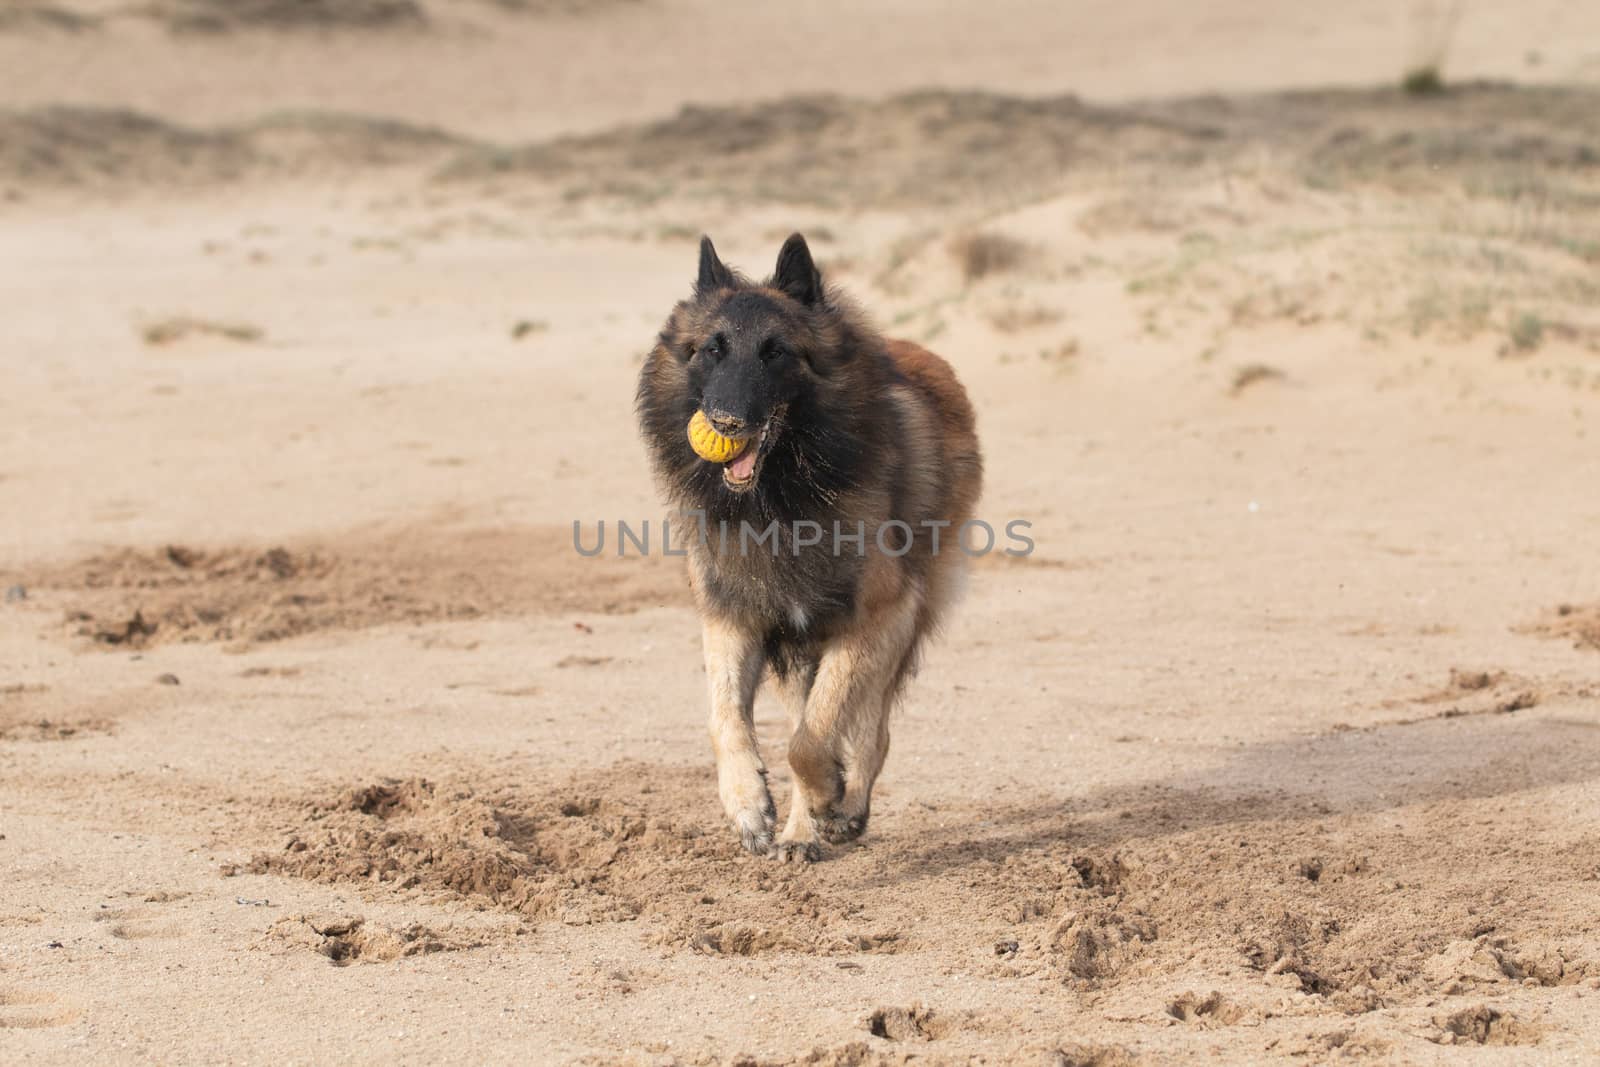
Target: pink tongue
(743, 467)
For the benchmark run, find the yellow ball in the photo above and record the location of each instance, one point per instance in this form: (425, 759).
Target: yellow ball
(708, 444)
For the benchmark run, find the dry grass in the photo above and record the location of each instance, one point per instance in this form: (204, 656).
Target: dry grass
(226, 16)
(1254, 374)
(1433, 28)
(1014, 318)
(980, 255)
(1526, 332)
(173, 330)
(20, 15)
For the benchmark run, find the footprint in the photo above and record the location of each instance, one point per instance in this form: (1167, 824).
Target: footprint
(134, 931)
(916, 1023)
(137, 924)
(347, 939)
(1212, 1009)
(1483, 1025)
(26, 1009)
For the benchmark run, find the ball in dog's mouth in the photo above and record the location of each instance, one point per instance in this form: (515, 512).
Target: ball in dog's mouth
(710, 445)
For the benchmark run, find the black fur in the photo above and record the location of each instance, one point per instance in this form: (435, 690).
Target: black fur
(796, 353)
(713, 275)
(797, 275)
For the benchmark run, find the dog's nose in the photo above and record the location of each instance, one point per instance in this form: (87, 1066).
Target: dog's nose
(725, 424)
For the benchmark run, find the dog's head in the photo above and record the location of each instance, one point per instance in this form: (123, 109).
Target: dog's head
(751, 357)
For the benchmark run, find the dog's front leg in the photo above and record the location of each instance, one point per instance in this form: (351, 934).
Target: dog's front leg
(733, 670)
(837, 748)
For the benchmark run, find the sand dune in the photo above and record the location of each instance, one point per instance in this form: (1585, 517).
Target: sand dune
(931, 147)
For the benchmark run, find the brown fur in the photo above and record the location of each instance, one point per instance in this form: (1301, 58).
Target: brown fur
(868, 431)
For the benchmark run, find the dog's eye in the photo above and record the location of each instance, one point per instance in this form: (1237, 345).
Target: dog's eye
(773, 351)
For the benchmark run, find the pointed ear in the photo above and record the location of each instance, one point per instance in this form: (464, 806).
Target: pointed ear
(713, 275)
(796, 274)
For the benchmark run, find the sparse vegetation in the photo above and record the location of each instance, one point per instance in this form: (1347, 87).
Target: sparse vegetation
(1254, 374)
(1423, 81)
(222, 16)
(170, 331)
(1526, 332)
(982, 254)
(1013, 318)
(677, 231)
(1061, 353)
(557, 7)
(1460, 311)
(22, 15)
(1433, 27)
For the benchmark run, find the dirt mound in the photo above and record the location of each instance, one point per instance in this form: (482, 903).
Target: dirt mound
(632, 843)
(1472, 691)
(1488, 960)
(138, 597)
(1099, 946)
(1353, 928)
(1578, 623)
(1483, 1025)
(412, 835)
(1349, 911)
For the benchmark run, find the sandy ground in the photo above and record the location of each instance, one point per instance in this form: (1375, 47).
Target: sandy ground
(318, 741)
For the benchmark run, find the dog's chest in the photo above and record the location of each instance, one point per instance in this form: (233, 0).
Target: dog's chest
(798, 593)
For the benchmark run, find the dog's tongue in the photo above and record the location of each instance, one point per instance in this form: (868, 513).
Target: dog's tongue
(743, 467)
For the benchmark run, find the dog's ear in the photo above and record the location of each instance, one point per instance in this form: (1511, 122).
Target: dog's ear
(713, 275)
(797, 275)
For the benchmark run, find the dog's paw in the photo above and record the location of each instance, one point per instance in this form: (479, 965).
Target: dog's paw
(837, 829)
(796, 852)
(755, 826)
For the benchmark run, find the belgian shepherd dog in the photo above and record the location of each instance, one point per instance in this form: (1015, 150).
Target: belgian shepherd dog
(825, 550)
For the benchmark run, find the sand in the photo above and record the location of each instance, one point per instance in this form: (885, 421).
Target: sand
(319, 742)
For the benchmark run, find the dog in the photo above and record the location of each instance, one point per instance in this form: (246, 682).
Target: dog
(827, 548)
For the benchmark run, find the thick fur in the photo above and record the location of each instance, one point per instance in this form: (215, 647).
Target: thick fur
(855, 430)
